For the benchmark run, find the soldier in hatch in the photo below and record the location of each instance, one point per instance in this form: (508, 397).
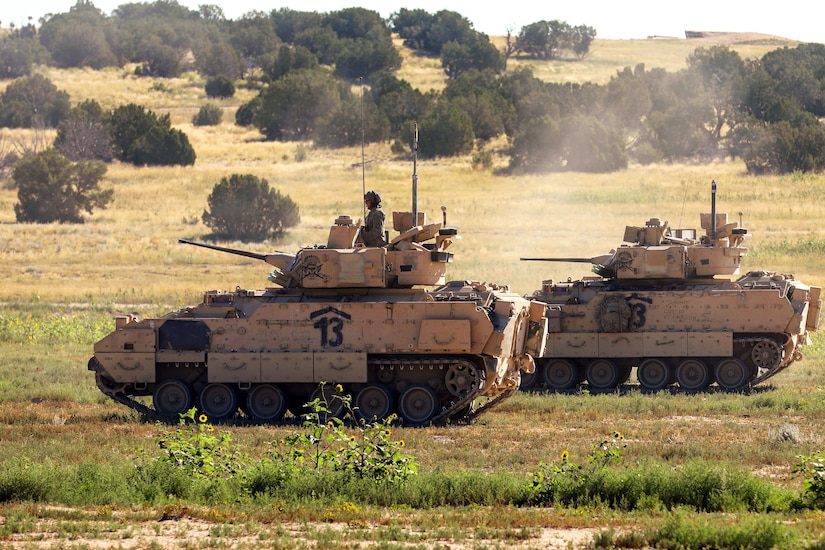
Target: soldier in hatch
(373, 234)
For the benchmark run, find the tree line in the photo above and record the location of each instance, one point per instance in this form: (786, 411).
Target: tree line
(304, 65)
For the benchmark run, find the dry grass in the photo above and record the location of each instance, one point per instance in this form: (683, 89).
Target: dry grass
(128, 255)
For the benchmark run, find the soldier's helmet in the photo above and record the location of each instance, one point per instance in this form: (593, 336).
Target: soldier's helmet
(373, 197)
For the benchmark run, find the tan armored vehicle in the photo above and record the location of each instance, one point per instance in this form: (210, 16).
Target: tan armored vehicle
(378, 323)
(671, 304)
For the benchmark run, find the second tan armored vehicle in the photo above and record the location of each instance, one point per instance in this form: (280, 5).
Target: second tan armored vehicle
(378, 323)
(671, 304)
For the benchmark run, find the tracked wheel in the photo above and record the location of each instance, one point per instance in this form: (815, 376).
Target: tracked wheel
(766, 354)
(218, 401)
(693, 375)
(418, 404)
(732, 374)
(266, 402)
(374, 402)
(172, 398)
(461, 379)
(602, 374)
(560, 374)
(653, 374)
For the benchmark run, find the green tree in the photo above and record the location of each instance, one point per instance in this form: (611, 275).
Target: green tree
(474, 52)
(220, 59)
(83, 37)
(53, 189)
(219, 86)
(365, 56)
(547, 39)
(293, 106)
(141, 137)
(479, 94)
(290, 23)
(19, 54)
(344, 127)
(784, 147)
(245, 207)
(447, 26)
(253, 36)
(412, 26)
(322, 42)
(159, 60)
(397, 99)
(445, 130)
(536, 146)
(159, 34)
(288, 59)
(208, 115)
(722, 72)
(588, 146)
(31, 101)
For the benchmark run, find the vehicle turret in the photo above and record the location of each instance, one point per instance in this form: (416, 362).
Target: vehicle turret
(659, 252)
(417, 256)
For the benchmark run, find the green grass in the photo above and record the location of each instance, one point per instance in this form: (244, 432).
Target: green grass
(70, 454)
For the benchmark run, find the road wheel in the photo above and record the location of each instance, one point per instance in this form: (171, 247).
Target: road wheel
(732, 374)
(653, 374)
(693, 375)
(374, 402)
(418, 404)
(173, 397)
(602, 374)
(266, 402)
(560, 374)
(218, 401)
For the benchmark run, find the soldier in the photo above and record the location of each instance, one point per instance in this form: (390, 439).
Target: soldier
(372, 234)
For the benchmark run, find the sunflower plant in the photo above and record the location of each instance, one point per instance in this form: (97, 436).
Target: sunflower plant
(552, 481)
(198, 449)
(363, 449)
(813, 468)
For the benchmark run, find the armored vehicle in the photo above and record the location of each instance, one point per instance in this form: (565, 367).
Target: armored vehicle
(671, 304)
(377, 323)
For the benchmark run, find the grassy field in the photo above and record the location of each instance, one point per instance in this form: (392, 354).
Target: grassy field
(61, 284)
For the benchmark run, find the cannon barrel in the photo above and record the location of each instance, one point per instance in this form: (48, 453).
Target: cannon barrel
(569, 260)
(228, 250)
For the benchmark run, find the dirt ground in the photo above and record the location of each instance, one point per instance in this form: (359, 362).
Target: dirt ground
(187, 533)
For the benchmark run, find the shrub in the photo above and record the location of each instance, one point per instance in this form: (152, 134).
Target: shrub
(141, 137)
(208, 115)
(83, 134)
(53, 189)
(219, 86)
(31, 101)
(244, 206)
(244, 114)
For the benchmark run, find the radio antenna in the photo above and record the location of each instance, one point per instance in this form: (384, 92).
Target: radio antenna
(415, 178)
(363, 139)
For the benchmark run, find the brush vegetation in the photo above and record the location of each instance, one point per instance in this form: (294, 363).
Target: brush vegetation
(693, 471)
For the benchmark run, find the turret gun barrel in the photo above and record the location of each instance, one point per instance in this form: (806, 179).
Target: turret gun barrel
(569, 260)
(278, 259)
(596, 260)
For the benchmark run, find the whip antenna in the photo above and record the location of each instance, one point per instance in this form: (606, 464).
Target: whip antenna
(363, 139)
(415, 177)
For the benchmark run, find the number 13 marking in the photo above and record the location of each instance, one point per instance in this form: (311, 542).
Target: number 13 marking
(330, 327)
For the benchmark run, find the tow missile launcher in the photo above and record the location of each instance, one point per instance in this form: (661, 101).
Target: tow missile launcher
(379, 323)
(672, 304)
